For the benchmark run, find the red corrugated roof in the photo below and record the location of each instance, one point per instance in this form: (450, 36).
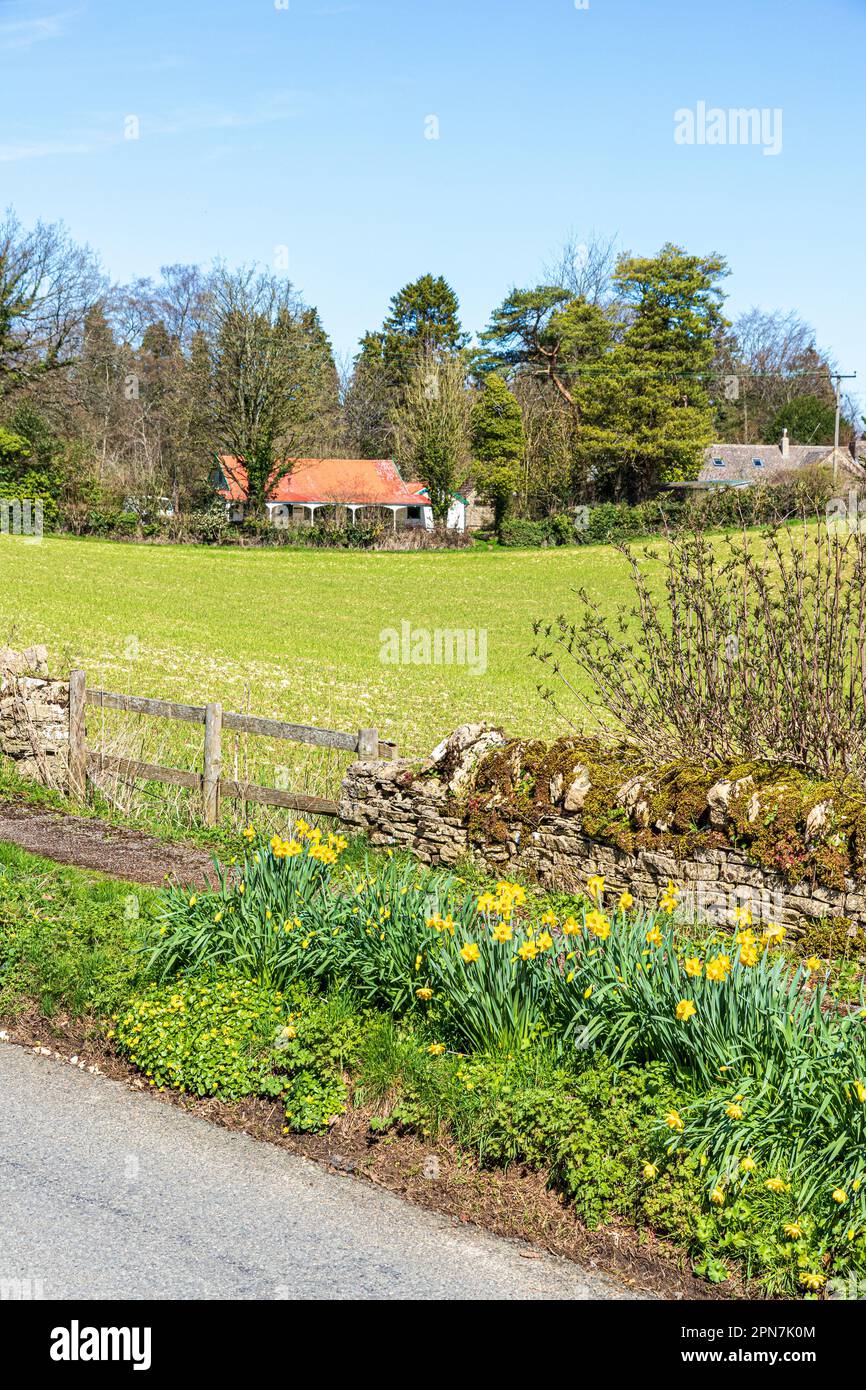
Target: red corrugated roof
(326, 480)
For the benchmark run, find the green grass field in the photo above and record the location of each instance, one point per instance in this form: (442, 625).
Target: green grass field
(296, 634)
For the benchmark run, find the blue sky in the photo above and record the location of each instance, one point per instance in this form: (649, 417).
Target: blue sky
(304, 127)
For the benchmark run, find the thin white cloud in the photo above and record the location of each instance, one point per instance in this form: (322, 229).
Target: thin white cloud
(24, 33)
(280, 108)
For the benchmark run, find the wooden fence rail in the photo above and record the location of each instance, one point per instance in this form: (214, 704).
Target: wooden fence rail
(209, 783)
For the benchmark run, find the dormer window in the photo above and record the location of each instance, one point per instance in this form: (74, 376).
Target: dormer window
(718, 463)
(759, 463)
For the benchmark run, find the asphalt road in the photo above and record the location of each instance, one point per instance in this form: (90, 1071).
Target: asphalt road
(107, 1193)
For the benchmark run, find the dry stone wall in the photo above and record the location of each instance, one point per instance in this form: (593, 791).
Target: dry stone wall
(422, 807)
(34, 729)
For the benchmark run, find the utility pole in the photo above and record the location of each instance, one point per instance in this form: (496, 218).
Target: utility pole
(838, 378)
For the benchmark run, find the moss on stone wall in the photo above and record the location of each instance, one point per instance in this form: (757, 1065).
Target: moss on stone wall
(802, 828)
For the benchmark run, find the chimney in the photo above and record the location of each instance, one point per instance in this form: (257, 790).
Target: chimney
(785, 446)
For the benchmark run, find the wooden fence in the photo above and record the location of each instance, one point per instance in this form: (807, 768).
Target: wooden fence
(210, 783)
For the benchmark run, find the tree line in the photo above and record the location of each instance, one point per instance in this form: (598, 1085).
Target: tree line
(603, 382)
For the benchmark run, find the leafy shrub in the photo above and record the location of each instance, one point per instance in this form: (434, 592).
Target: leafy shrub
(750, 653)
(519, 533)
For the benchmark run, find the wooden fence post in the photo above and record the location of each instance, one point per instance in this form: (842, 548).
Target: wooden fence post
(77, 778)
(213, 724)
(368, 744)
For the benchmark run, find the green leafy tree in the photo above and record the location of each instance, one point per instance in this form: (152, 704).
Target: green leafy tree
(432, 428)
(808, 420)
(258, 375)
(498, 445)
(423, 324)
(653, 397)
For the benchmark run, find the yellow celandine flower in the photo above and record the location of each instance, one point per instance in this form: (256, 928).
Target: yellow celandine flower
(625, 901)
(685, 1010)
(469, 952)
(502, 932)
(249, 834)
(650, 1171)
(748, 1164)
(673, 1120)
(598, 924)
(776, 1185)
(749, 955)
(839, 1196)
(717, 1196)
(812, 1281)
(528, 951)
(595, 885)
(570, 927)
(424, 993)
(436, 1049)
(793, 1230)
(544, 941)
(692, 967)
(718, 968)
(734, 1112)
(654, 937)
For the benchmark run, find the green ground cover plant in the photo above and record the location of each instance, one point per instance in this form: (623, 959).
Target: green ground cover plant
(551, 1037)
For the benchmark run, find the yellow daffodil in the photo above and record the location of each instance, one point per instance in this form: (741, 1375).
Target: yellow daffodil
(776, 1185)
(528, 951)
(717, 1196)
(650, 1171)
(598, 924)
(673, 1120)
(470, 952)
(685, 1010)
(424, 994)
(625, 901)
(692, 967)
(860, 1092)
(436, 1049)
(718, 968)
(734, 1112)
(654, 937)
(747, 1164)
(544, 941)
(502, 932)
(595, 885)
(840, 1196)
(570, 927)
